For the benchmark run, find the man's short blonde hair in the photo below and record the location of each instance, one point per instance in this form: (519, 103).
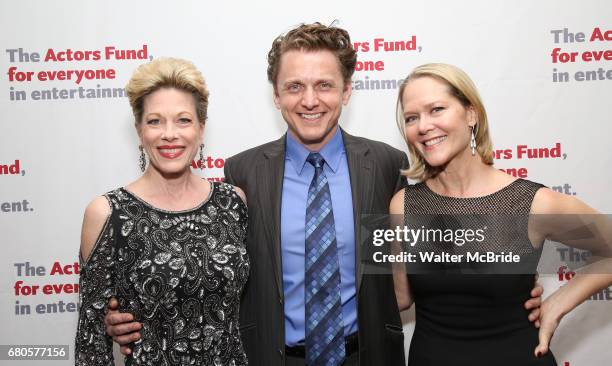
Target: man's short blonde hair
(314, 37)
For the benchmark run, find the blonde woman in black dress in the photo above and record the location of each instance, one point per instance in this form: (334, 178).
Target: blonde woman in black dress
(476, 319)
(170, 246)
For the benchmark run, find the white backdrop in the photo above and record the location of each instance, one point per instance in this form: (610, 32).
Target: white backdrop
(57, 153)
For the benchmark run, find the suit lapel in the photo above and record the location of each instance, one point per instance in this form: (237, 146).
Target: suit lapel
(270, 173)
(361, 172)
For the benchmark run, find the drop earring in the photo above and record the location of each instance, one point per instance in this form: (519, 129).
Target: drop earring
(473, 139)
(142, 161)
(201, 156)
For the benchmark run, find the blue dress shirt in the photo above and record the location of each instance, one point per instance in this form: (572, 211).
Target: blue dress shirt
(297, 177)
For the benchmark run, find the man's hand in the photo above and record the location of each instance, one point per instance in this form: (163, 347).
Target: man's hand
(121, 326)
(534, 303)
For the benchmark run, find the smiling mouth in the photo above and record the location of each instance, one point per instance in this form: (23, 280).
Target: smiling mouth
(311, 116)
(171, 153)
(434, 142)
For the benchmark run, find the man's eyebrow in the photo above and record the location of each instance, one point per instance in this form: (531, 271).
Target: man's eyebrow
(292, 81)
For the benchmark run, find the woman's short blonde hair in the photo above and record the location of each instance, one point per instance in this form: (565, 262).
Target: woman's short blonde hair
(167, 72)
(461, 87)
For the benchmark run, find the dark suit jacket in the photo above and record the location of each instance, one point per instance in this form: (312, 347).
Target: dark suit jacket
(374, 174)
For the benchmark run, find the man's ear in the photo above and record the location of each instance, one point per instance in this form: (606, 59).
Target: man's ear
(276, 98)
(347, 91)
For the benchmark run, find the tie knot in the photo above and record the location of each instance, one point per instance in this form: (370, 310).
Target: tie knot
(315, 159)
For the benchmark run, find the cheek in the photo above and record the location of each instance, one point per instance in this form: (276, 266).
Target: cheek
(195, 137)
(410, 134)
(333, 100)
(286, 100)
(146, 137)
(284, 109)
(464, 134)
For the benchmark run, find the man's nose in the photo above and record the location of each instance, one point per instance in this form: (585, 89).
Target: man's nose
(310, 98)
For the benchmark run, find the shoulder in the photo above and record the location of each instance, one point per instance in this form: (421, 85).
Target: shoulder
(255, 153)
(241, 194)
(376, 146)
(94, 219)
(386, 156)
(232, 188)
(98, 208)
(547, 201)
(396, 207)
(240, 169)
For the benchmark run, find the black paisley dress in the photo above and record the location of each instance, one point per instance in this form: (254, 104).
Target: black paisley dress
(181, 274)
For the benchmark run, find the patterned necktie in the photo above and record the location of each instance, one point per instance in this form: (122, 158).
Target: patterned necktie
(324, 325)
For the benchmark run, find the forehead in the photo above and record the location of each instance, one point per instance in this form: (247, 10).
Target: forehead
(305, 65)
(169, 98)
(424, 89)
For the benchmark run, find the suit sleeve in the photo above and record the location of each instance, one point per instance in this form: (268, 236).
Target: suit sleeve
(401, 180)
(227, 171)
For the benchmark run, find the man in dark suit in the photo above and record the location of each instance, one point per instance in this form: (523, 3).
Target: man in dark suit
(307, 300)
(310, 69)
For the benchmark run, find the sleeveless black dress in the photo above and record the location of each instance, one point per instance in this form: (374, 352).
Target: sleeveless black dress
(181, 274)
(473, 315)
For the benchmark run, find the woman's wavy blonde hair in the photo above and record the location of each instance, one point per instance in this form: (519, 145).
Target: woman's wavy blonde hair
(461, 87)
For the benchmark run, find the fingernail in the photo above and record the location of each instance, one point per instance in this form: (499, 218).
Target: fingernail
(538, 354)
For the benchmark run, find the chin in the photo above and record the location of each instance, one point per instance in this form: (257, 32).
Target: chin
(435, 161)
(311, 137)
(172, 169)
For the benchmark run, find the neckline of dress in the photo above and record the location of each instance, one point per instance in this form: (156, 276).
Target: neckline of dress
(471, 198)
(137, 198)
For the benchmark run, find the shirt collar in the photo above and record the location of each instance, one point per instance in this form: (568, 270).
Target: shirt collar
(332, 152)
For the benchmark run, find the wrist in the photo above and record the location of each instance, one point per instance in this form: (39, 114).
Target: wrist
(555, 306)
